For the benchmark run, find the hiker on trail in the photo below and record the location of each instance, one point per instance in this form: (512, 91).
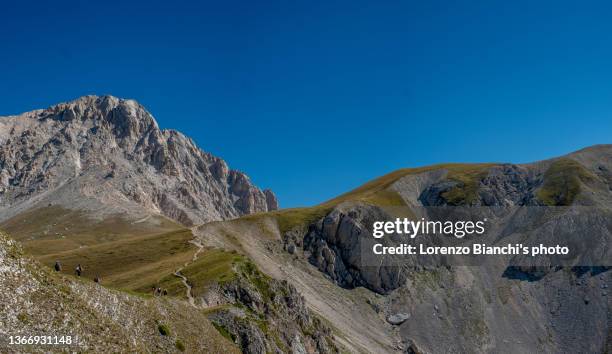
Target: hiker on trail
(158, 291)
(58, 266)
(154, 289)
(78, 270)
(165, 292)
(97, 279)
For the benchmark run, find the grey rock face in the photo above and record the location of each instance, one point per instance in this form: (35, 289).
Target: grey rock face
(110, 155)
(271, 200)
(398, 318)
(276, 318)
(334, 245)
(508, 185)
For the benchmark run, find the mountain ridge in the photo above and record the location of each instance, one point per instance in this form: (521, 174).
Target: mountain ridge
(250, 272)
(499, 308)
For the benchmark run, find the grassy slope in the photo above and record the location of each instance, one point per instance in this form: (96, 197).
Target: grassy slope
(212, 266)
(562, 182)
(54, 229)
(105, 319)
(468, 178)
(135, 263)
(561, 185)
(130, 256)
(378, 192)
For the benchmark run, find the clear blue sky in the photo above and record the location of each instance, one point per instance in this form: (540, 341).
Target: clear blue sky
(312, 99)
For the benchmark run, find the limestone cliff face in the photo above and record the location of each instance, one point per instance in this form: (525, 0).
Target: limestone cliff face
(108, 155)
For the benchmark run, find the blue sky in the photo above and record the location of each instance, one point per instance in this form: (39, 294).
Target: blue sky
(313, 99)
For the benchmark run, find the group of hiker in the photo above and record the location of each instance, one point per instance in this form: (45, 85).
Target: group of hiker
(78, 270)
(159, 291)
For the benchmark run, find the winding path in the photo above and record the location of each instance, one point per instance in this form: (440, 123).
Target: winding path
(178, 273)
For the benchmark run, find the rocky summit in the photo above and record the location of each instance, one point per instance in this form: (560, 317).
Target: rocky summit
(107, 155)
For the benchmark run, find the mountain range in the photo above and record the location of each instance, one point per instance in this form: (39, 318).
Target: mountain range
(95, 182)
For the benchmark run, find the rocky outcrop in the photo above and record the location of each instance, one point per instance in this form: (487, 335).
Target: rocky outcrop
(501, 185)
(269, 316)
(508, 185)
(271, 200)
(334, 245)
(109, 154)
(398, 318)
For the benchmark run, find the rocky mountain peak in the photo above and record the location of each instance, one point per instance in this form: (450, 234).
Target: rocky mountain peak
(126, 117)
(112, 151)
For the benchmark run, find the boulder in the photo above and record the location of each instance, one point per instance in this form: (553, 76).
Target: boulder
(398, 318)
